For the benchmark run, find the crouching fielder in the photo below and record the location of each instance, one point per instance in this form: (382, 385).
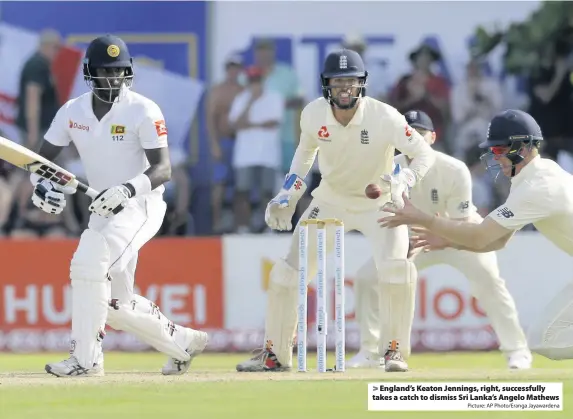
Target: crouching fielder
(541, 193)
(122, 141)
(446, 189)
(357, 137)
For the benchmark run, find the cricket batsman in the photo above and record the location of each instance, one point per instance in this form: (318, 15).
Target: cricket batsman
(541, 194)
(447, 190)
(357, 137)
(121, 138)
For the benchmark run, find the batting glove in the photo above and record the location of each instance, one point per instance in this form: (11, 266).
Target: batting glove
(111, 201)
(400, 181)
(281, 208)
(48, 196)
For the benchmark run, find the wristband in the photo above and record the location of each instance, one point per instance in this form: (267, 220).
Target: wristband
(141, 184)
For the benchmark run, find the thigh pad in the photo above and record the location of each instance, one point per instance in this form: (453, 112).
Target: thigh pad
(92, 258)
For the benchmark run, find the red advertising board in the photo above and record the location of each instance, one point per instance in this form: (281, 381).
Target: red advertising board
(183, 276)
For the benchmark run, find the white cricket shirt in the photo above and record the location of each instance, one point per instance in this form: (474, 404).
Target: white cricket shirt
(446, 189)
(353, 156)
(112, 150)
(541, 194)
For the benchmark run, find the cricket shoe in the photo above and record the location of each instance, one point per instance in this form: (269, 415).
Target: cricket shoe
(393, 359)
(519, 360)
(365, 359)
(199, 341)
(264, 361)
(71, 368)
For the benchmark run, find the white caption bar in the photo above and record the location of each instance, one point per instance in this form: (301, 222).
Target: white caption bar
(410, 396)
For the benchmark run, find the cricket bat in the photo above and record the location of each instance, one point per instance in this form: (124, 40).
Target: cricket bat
(32, 162)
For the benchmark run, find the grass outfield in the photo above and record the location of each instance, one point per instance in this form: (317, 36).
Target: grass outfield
(133, 388)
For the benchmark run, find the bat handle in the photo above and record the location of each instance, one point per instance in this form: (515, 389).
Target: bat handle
(82, 187)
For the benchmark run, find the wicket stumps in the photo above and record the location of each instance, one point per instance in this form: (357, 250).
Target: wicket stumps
(321, 293)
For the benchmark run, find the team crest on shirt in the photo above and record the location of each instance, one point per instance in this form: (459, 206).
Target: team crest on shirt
(364, 138)
(117, 129)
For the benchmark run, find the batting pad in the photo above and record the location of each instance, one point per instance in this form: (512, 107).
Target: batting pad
(366, 306)
(396, 302)
(281, 318)
(144, 319)
(90, 294)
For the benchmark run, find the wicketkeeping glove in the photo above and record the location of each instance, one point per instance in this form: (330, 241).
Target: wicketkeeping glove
(280, 210)
(400, 181)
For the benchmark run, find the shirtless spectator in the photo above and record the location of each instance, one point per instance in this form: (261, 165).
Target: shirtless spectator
(221, 136)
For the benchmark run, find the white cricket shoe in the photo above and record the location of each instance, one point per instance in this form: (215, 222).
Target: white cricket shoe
(393, 359)
(199, 341)
(365, 359)
(71, 368)
(519, 360)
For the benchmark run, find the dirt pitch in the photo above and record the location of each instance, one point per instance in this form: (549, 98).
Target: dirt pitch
(26, 379)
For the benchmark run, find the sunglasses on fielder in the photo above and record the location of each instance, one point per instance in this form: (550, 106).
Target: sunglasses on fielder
(499, 150)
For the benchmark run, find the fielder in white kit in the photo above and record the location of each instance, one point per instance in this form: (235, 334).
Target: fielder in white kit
(446, 190)
(357, 137)
(541, 194)
(122, 141)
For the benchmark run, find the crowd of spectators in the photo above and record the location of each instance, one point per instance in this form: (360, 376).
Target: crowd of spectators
(252, 123)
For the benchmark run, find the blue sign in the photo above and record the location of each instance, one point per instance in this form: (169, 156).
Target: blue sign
(285, 48)
(171, 34)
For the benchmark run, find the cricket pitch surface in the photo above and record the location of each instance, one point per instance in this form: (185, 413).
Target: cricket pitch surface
(133, 386)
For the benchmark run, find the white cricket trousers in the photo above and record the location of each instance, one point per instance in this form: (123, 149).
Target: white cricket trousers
(481, 269)
(103, 269)
(126, 233)
(551, 335)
